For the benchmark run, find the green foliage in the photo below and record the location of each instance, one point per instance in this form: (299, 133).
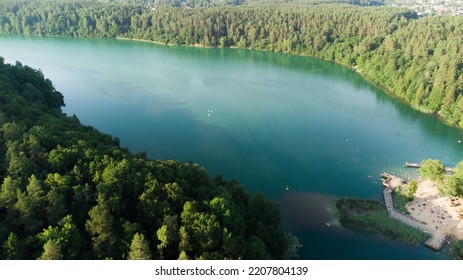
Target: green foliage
(51, 251)
(139, 249)
(167, 234)
(433, 170)
(12, 248)
(448, 185)
(371, 216)
(415, 58)
(8, 194)
(183, 256)
(459, 248)
(65, 235)
(403, 195)
(264, 218)
(412, 188)
(70, 192)
(256, 250)
(200, 231)
(453, 184)
(400, 198)
(100, 226)
(293, 246)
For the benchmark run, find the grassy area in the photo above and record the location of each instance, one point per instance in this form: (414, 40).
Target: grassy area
(459, 249)
(371, 216)
(400, 199)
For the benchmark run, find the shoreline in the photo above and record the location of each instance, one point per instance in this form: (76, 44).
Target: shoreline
(196, 45)
(430, 211)
(354, 68)
(439, 211)
(329, 212)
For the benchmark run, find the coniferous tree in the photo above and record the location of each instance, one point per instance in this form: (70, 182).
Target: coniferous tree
(100, 226)
(71, 192)
(139, 249)
(51, 251)
(12, 248)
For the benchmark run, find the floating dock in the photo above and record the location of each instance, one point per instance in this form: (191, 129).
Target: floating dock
(418, 165)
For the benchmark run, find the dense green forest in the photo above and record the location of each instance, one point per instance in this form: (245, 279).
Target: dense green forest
(418, 59)
(70, 192)
(221, 3)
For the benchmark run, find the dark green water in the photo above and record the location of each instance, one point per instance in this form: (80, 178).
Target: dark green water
(276, 120)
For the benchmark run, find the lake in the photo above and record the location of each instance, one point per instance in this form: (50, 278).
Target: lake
(269, 120)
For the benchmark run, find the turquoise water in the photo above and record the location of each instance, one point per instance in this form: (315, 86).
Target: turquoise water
(269, 120)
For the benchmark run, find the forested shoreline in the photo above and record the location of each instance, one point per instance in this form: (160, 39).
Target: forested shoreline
(71, 192)
(416, 59)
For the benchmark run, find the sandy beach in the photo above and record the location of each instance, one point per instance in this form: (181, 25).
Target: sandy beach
(436, 210)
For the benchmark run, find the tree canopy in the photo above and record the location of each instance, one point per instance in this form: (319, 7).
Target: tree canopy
(57, 173)
(433, 169)
(70, 192)
(415, 58)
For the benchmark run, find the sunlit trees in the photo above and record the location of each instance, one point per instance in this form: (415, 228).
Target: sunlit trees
(70, 192)
(200, 231)
(100, 225)
(12, 248)
(433, 170)
(65, 237)
(453, 184)
(415, 58)
(139, 249)
(168, 236)
(412, 188)
(51, 251)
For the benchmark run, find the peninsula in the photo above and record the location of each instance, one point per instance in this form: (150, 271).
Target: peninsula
(427, 212)
(432, 204)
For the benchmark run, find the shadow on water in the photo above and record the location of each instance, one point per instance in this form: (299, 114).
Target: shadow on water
(312, 66)
(327, 139)
(312, 217)
(321, 69)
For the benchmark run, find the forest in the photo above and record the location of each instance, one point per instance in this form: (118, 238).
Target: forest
(416, 59)
(70, 192)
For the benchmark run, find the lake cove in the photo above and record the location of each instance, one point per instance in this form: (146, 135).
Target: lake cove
(269, 120)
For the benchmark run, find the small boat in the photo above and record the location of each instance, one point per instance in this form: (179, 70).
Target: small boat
(287, 188)
(328, 224)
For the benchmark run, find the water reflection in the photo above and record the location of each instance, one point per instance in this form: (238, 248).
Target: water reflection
(311, 217)
(277, 120)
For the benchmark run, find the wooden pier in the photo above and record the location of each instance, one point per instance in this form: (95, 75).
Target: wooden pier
(436, 241)
(390, 182)
(418, 165)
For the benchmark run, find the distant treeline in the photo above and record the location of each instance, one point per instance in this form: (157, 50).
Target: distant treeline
(417, 59)
(68, 191)
(209, 3)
